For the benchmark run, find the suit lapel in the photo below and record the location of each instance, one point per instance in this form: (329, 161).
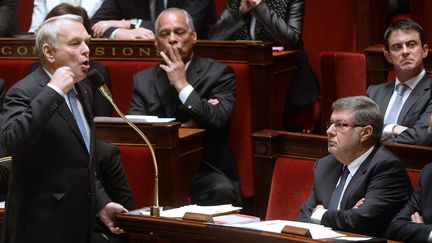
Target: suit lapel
(387, 94)
(357, 178)
(420, 89)
(193, 72)
(164, 90)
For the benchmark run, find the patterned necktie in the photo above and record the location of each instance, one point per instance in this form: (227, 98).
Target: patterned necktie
(397, 104)
(337, 193)
(78, 117)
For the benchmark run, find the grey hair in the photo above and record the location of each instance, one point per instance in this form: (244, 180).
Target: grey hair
(364, 111)
(48, 32)
(188, 17)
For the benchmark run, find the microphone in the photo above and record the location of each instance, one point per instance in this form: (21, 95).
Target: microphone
(97, 79)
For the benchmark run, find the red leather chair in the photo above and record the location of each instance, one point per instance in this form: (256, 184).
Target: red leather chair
(290, 187)
(342, 74)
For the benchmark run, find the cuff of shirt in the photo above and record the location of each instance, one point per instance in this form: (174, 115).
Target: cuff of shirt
(57, 89)
(430, 237)
(388, 131)
(317, 215)
(185, 92)
(113, 34)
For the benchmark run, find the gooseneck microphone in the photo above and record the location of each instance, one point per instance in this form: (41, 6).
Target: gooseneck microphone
(97, 80)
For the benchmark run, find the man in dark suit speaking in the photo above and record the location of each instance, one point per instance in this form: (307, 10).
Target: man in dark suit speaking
(54, 193)
(199, 92)
(361, 185)
(407, 101)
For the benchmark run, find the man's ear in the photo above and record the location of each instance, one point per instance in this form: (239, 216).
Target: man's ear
(194, 36)
(48, 53)
(366, 133)
(387, 56)
(425, 50)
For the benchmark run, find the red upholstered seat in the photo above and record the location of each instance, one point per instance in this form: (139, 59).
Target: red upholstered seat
(342, 74)
(25, 12)
(414, 176)
(240, 129)
(14, 70)
(219, 6)
(291, 184)
(121, 74)
(138, 166)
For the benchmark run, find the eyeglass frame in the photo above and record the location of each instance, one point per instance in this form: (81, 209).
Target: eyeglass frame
(341, 124)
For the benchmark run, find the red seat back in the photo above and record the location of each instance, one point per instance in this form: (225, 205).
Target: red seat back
(342, 74)
(414, 176)
(241, 128)
(290, 187)
(138, 166)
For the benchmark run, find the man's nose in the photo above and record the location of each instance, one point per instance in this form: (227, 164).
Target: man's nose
(172, 38)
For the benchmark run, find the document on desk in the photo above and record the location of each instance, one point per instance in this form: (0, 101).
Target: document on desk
(133, 118)
(317, 231)
(209, 210)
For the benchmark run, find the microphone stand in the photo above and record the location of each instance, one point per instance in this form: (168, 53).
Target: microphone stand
(155, 209)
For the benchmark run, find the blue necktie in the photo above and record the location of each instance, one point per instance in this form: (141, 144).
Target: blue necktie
(397, 104)
(78, 117)
(337, 193)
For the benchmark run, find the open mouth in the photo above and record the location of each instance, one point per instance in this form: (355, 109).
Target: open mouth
(86, 64)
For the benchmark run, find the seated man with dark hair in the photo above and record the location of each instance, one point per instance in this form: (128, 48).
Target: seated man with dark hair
(361, 185)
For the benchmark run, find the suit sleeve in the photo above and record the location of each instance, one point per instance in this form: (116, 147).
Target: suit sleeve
(417, 134)
(107, 11)
(284, 31)
(112, 175)
(229, 21)
(25, 117)
(8, 13)
(387, 191)
(401, 228)
(209, 116)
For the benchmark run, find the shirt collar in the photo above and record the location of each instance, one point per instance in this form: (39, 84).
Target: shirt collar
(412, 82)
(355, 164)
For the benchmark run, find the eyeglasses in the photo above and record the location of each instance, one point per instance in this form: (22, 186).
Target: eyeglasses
(340, 125)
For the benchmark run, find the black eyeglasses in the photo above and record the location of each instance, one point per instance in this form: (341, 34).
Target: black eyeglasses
(341, 124)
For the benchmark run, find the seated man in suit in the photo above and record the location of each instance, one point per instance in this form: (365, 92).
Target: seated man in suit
(134, 19)
(361, 185)
(407, 100)
(197, 92)
(414, 222)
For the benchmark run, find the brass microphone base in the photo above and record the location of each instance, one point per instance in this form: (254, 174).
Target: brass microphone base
(155, 211)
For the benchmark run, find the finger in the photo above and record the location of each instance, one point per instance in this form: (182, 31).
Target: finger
(171, 53)
(165, 57)
(176, 54)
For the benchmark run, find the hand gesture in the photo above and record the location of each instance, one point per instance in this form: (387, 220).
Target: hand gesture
(63, 78)
(106, 215)
(174, 68)
(134, 34)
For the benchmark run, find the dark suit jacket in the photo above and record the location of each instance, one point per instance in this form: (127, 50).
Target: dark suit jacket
(202, 12)
(381, 179)
(153, 95)
(53, 189)
(401, 228)
(280, 22)
(415, 113)
(8, 17)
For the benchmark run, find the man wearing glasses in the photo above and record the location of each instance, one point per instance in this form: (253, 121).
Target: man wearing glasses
(361, 185)
(406, 101)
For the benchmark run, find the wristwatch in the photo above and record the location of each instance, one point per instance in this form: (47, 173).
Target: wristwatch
(134, 23)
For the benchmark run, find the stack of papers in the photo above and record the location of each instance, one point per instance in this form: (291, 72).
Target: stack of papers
(317, 231)
(209, 210)
(132, 118)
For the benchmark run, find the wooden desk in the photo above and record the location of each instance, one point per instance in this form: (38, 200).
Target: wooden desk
(270, 144)
(178, 153)
(153, 229)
